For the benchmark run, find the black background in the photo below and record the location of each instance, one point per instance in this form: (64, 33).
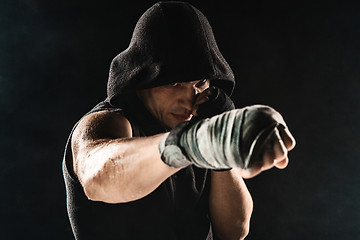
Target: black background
(301, 58)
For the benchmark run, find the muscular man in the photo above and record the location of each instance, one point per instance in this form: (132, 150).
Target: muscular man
(164, 156)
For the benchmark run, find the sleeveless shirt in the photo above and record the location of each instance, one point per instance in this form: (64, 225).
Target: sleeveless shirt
(172, 42)
(177, 209)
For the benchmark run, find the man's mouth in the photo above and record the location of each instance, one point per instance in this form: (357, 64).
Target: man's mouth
(182, 117)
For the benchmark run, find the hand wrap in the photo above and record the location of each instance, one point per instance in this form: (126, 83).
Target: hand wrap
(218, 103)
(234, 138)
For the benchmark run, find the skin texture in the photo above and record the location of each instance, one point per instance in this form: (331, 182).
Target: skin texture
(115, 167)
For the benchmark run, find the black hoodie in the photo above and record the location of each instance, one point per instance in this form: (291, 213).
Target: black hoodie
(172, 42)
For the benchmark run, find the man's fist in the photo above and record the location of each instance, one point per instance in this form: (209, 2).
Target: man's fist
(253, 138)
(274, 153)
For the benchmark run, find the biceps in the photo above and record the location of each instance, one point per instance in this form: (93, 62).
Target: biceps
(93, 133)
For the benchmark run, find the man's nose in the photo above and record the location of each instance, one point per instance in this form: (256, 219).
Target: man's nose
(188, 96)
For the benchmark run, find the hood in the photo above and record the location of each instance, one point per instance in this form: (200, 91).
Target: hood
(172, 42)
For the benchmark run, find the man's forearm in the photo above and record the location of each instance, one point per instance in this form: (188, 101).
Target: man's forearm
(230, 204)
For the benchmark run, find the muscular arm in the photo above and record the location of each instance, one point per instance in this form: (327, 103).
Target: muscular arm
(230, 204)
(111, 165)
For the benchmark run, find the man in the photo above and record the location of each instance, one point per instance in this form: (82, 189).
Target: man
(164, 156)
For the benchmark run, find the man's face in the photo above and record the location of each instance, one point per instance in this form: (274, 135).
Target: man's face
(172, 104)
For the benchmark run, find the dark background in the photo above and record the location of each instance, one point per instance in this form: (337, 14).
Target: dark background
(301, 58)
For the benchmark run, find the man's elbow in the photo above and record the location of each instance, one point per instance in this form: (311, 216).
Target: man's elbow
(237, 232)
(97, 190)
(243, 231)
(90, 191)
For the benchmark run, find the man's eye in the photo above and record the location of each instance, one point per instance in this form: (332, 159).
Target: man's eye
(202, 83)
(173, 84)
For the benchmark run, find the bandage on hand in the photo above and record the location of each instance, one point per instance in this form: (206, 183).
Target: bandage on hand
(233, 139)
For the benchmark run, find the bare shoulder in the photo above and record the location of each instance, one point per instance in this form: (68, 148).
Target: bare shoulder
(103, 125)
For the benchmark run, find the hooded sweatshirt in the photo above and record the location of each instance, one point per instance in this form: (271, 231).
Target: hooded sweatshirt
(172, 42)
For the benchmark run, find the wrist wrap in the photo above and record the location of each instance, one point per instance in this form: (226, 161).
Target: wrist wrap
(235, 138)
